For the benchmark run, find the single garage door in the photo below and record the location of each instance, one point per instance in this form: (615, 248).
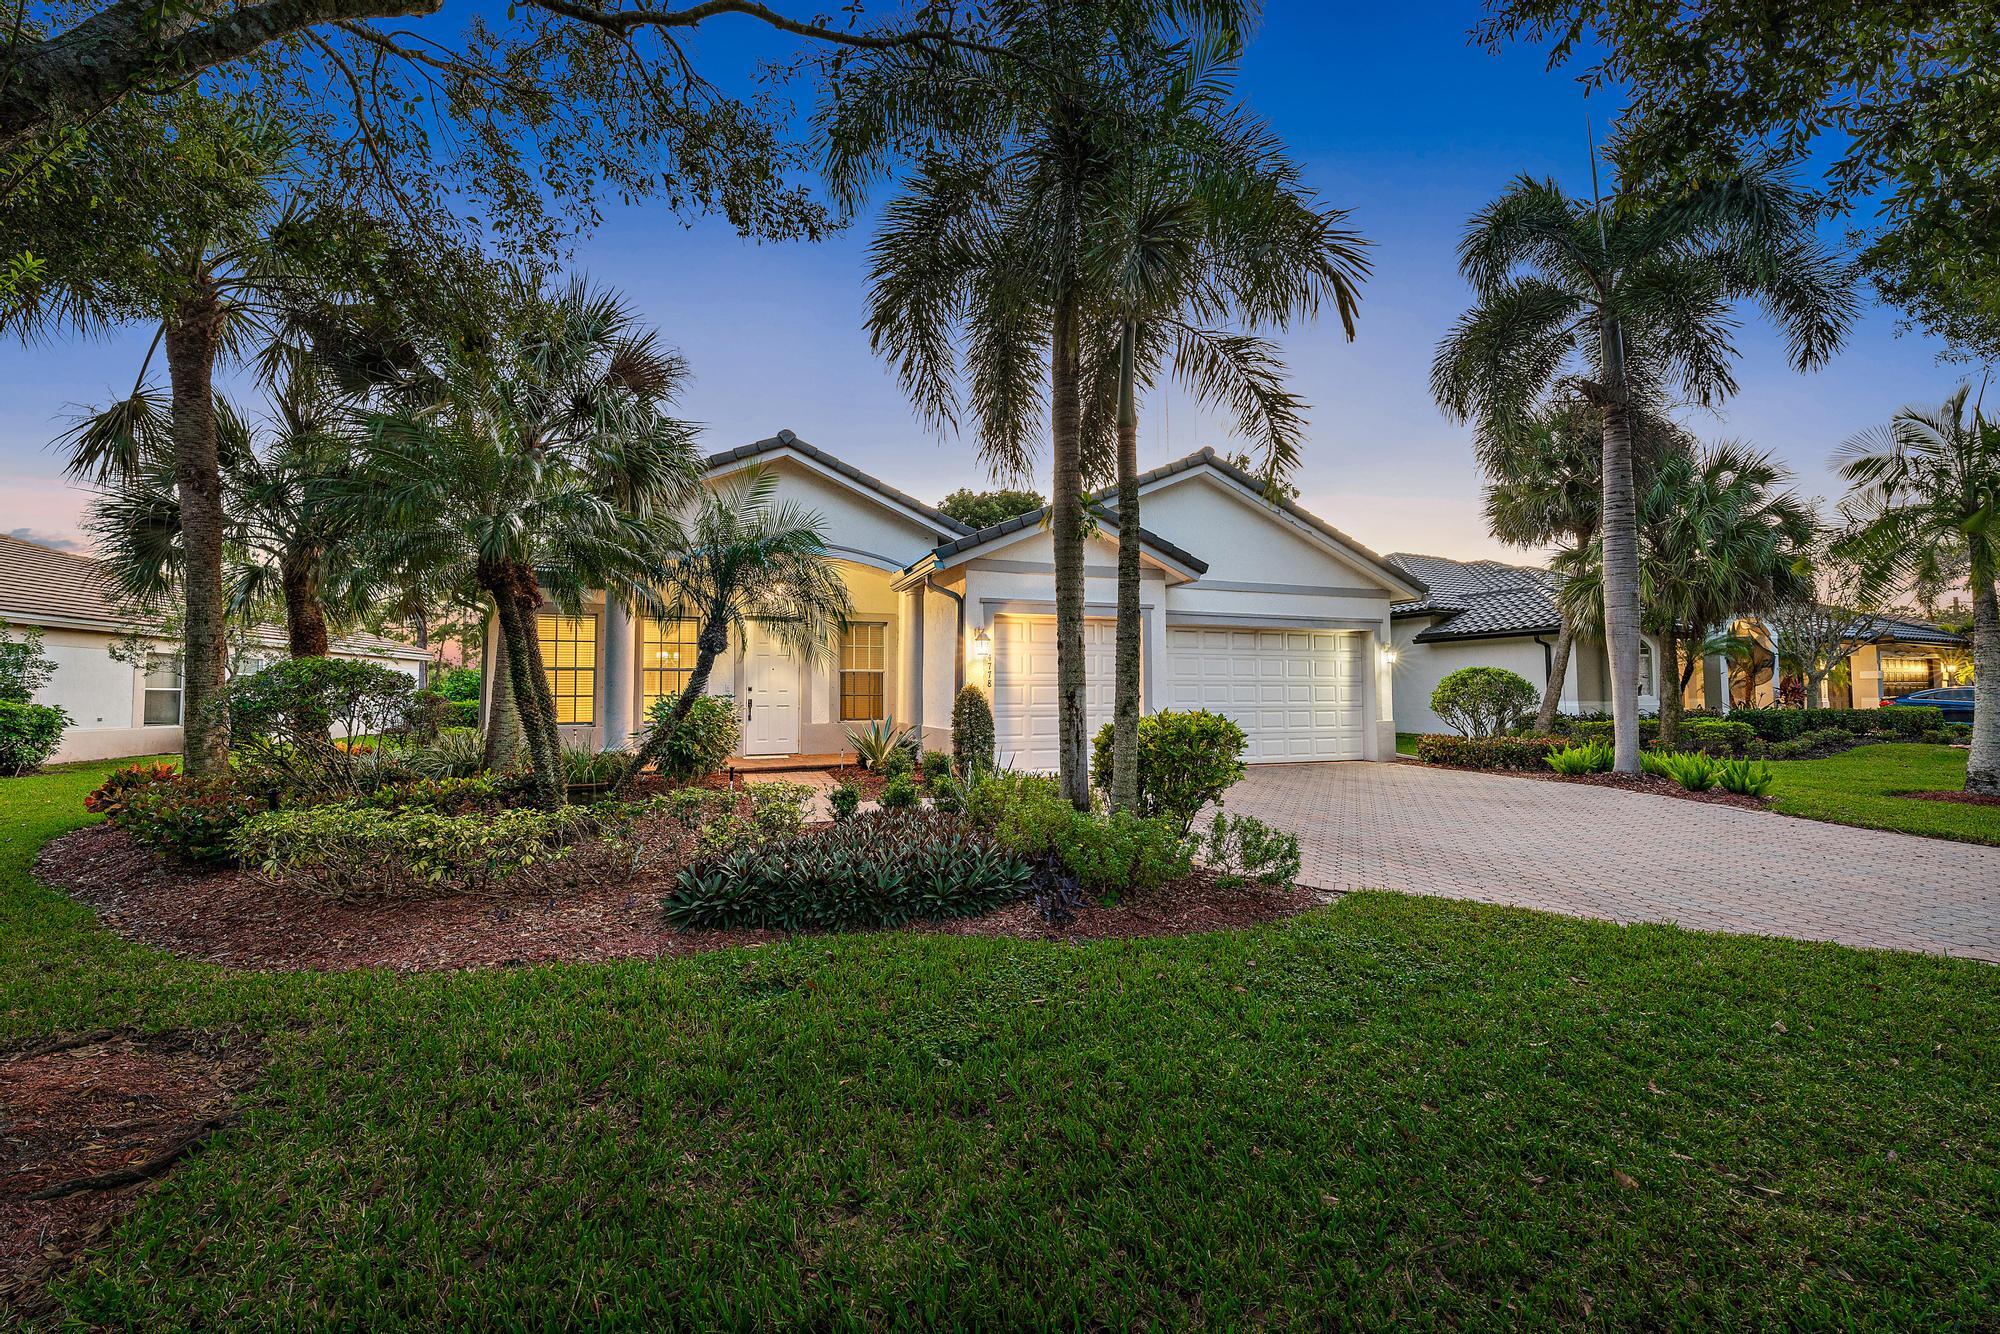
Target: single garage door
(1297, 694)
(1024, 686)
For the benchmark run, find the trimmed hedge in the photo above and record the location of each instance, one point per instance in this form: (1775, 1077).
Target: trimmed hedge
(1711, 736)
(1492, 752)
(1909, 720)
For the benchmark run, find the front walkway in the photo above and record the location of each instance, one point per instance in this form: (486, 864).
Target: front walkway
(1628, 856)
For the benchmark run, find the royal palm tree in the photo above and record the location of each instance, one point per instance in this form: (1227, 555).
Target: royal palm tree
(978, 276)
(1924, 502)
(534, 471)
(742, 556)
(1625, 301)
(1202, 238)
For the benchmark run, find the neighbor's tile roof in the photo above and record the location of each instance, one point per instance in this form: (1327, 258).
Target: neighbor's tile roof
(1480, 599)
(787, 440)
(1897, 630)
(42, 586)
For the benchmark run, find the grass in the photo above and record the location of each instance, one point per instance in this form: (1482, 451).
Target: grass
(1860, 787)
(1393, 1110)
(1406, 743)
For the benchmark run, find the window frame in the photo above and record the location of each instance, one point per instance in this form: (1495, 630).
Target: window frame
(579, 691)
(880, 671)
(147, 690)
(688, 630)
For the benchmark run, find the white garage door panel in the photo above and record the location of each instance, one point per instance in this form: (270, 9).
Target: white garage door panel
(1297, 694)
(1024, 686)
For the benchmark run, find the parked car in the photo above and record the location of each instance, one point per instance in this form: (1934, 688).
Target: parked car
(1954, 701)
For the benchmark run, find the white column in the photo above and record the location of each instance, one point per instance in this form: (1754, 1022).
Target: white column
(618, 653)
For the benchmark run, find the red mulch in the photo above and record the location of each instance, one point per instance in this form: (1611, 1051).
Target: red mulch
(1659, 787)
(100, 1104)
(1962, 798)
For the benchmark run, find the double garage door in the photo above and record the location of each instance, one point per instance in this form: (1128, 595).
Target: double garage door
(1297, 694)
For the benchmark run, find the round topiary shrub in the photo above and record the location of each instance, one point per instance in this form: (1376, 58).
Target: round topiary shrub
(1484, 701)
(972, 731)
(1187, 760)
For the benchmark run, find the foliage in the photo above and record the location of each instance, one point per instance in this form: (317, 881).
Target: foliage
(1654, 763)
(189, 817)
(455, 752)
(1750, 778)
(25, 666)
(29, 734)
(355, 850)
(1813, 744)
(705, 740)
(778, 809)
(844, 800)
(1187, 760)
(588, 767)
(878, 743)
(283, 718)
(1715, 736)
(935, 768)
(1691, 769)
(879, 869)
(983, 509)
(459, 684)
(972, 731)
(899, 791)
(458, 795)
(110, 796)
(901, 760)
(1907, 720)
(1111, 854)
(1493, 752)
(1592, 757)
(1242, 849)
(1483, 701)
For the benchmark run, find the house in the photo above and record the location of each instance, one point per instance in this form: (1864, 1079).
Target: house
(122, 702)
(1490, 614)
(1250, 606)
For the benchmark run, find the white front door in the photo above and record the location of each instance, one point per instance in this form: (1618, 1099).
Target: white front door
(770, 697)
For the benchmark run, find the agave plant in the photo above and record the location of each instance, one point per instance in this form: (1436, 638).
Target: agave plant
(875, 743)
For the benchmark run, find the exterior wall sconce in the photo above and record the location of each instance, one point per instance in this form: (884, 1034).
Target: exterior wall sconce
(1389, 657)
(982, 643)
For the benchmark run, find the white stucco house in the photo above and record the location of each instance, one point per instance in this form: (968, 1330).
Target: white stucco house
(1253, 608)
(118, 706)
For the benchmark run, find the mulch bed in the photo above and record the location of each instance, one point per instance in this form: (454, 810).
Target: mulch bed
(233, 918)
(1659, 787)
(1961, 798)
(90, 1122)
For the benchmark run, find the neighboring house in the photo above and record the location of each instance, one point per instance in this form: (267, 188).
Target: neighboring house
(1486, 613)
(1250, 607)
(116, 706)
(1490, 614)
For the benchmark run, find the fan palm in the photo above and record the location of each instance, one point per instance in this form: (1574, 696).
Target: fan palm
(1924, 502)
(979, 267)
(743, 556)
(1630, 301)
(1203, 225)
(534, 471)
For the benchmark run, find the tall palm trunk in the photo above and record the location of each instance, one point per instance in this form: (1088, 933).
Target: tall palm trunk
(1125, 704)
(515, 596)
(1670, 687)
(1982, 765)
(1066, 513)
(1620, 527)
(1545, 717)
(503, 720)
(305, 614)
(193, 337)
(710, 644)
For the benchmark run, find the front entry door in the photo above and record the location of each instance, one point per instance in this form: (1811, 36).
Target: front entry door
(770, 697)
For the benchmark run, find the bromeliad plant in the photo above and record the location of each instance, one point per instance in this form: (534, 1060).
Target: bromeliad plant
(1749, 778)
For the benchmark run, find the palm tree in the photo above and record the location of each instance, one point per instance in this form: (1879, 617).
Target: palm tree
(979, 267)
(1204, 225)
(742, 557)
(1924, 502)
(534, 471)
(206, 248)
(1628, 301)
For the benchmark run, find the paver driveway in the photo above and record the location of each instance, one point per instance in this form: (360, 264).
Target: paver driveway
(1628, 856)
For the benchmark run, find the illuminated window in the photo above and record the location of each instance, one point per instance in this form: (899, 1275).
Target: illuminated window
(666, 656)
(569, 652)
(163, 690)
(861, 673)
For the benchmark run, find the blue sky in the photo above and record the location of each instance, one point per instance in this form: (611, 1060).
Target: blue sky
(1392, 114)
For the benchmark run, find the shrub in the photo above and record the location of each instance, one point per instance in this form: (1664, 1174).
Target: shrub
(1716, 736)
(1752, 778)
(898, 763)
(1187, 760)
(1810, 745)
(112, 794)
(454, 796)
(283, 720)
(778, 809)
(936, 768)
(194, 819)
(972, 731)
(456, 752)
(29, 734)
(1483, 701)
(1905, 720)
(1691, 769)
(880, 869)
(1786, 724)
(25, 666)
(877, 743)
(351, 850)
(1593, 757)
(461, 685)
(1242, 849)
(708, 736)
(898, 792)
(587, 768)
(1029, 816)
(1654, 762)
(844, 800)
(1496, 752)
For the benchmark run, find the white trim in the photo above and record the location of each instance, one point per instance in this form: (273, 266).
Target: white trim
(812, 465)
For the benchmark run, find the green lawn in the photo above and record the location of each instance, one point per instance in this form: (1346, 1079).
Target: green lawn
(1406, 743)
(1859, 787)
(1392, 1110)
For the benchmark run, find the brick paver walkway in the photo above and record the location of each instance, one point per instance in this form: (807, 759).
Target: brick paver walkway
(1628, 856)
